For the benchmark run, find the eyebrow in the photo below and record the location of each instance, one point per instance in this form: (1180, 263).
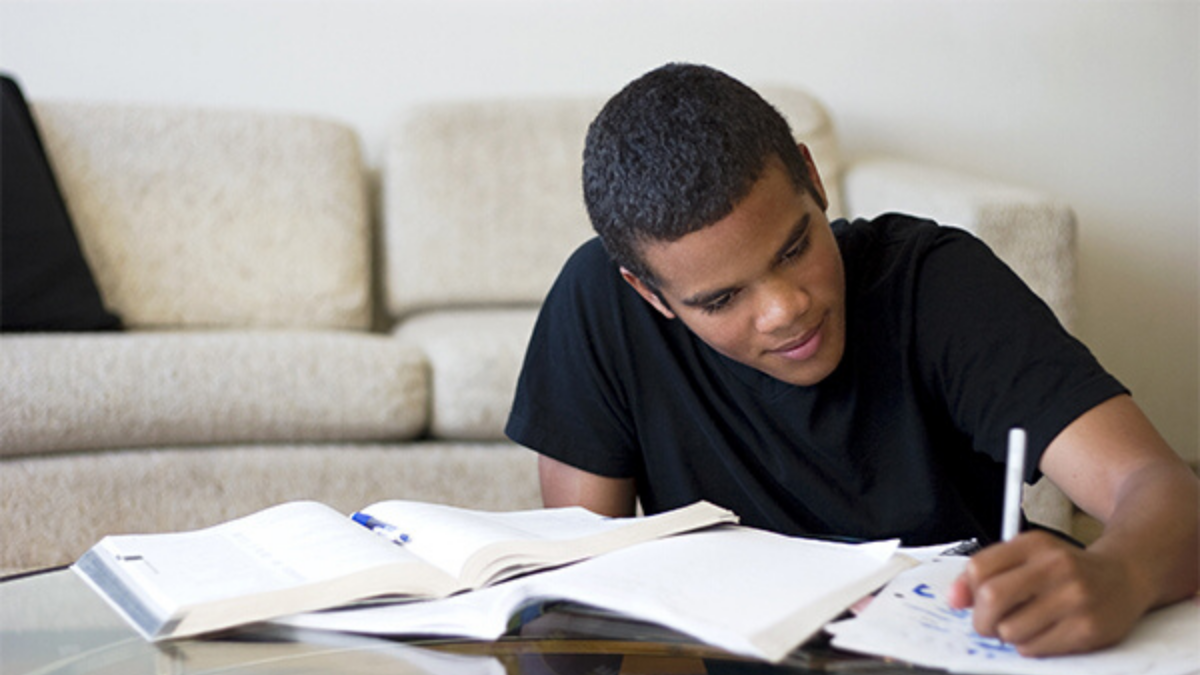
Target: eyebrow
(799, 230)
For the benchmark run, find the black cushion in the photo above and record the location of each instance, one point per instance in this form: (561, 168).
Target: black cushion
(45, 282)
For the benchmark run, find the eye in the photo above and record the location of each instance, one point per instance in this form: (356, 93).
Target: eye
(718, 304)
(796, 250)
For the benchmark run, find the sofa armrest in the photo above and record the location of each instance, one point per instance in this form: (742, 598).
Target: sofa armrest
(1029, 230)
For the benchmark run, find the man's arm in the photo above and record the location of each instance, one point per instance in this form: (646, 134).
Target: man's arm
(565, 485)
(1047, 597)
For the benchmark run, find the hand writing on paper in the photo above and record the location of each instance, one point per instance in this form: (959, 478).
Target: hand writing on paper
(1045, 596)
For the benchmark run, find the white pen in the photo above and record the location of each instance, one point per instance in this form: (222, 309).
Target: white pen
(1014, 484)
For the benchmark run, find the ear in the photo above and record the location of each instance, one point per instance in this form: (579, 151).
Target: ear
(648, 294)
(815, 176)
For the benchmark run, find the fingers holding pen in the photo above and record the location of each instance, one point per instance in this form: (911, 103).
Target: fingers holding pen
(1046, 596)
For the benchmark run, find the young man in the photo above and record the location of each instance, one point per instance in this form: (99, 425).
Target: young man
(722, 340)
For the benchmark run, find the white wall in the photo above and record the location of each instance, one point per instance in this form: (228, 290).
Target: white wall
(1097, 103)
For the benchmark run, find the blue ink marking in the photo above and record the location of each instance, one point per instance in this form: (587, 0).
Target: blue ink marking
(990, 648)
(924, 591)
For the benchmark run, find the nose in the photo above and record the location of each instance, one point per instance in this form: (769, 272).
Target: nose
(780, 307)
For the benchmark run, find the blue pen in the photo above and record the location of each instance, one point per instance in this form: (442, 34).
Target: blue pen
(390, 532)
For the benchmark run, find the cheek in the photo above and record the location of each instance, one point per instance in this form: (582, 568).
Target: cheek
(724, 334)
(826, 278)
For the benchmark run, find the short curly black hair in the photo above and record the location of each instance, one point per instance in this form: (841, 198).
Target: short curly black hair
(675, 151)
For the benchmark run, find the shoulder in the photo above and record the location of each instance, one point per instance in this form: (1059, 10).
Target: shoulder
(941, 269)
(894, 251)
(588, 261)
(896, 233)
(592, 270)
(590, 254)
(589, 277)
(591, 296)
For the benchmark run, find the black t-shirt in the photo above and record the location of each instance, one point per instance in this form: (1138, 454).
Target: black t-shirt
(946, 350)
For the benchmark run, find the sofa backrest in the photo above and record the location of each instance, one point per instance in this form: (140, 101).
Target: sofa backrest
(483, 202)
(203, 218)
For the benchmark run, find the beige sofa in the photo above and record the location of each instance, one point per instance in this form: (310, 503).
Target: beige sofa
(299, 325)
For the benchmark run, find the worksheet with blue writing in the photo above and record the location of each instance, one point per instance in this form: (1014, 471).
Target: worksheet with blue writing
(911, 620)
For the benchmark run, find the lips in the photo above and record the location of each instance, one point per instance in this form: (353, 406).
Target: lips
(801, 348)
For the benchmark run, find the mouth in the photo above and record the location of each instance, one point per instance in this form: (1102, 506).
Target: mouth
(803, 347)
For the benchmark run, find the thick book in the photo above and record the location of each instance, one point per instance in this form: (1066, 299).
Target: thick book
(742, 590)
(304, 556)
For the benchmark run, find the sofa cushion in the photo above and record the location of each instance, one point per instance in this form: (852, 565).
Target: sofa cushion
(82, 392)
(172, 489)
(483, 201)
(210, 218)
(45, 282)
(475, 357)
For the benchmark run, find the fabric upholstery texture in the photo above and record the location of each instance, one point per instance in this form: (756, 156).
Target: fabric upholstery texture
(457, 230)
(45, 281)
(166, 489)
(191, 217)
(475, 356)
(70, 392)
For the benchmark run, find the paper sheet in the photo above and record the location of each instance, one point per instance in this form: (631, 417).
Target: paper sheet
(747, 591)
(911, 620)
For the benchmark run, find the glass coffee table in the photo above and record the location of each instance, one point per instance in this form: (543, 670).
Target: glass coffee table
(51, 623)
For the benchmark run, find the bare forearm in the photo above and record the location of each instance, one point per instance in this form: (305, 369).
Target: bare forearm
(1154, 528)
(1046, 597)
(1115, 465)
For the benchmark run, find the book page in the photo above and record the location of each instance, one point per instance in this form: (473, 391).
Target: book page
(480, 547)
(503, 560)
(280, 547)
(447, 536)
(288, 558)
(481, 614)
(277, 548)
(912, 621)
(748, 591)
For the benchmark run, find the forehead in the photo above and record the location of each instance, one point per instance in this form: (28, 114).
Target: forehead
(737, 247)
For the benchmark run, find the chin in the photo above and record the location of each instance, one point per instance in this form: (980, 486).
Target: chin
(806, 374)
(805, 379)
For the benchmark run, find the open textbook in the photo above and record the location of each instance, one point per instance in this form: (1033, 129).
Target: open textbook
(303, 556)
(911, 620)
(747, 591)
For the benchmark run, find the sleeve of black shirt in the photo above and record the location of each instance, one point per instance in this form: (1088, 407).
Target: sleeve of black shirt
(569, 402)
(995, 352)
